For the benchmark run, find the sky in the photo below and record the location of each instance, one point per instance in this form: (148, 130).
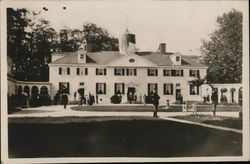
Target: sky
(180, 24)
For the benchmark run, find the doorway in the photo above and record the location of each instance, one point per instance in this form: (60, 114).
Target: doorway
(178, 96)
(130, 93)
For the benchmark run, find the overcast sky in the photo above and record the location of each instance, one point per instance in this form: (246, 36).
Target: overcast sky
(180, 24)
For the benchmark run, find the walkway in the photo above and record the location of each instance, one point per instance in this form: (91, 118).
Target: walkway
(58, 111)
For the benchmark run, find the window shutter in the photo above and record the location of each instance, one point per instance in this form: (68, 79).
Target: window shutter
(197, 90)
(164, 89)
(60, 70)
(148, 73)
(86, 71)
(172, 88)
(96, 71)
(172, 72)
(156, 87)
(164, 72)
(68, 88)
(156, 72)
(96, 88)
(135, 71)
(68, 71)
(182, 72)
(190, 73)
(115, 88)
(190, 89)
(123, 88)
(105, 71)
(115, 71)
(60, 86)
(148, 88)
(104, 88)
(123, 71)
(77, 71)
(198, 72)
(127, 72)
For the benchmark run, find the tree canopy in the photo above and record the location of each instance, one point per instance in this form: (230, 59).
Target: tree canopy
(30, 43)
(223, 52)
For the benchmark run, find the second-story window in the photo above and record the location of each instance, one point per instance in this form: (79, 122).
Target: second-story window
(119, 71)
(152, 72)
(177, 58)
(100, 71)
(81, 71)
(166, 72)
(64, 71)
(176, 72)
(194, 73)
(131, 72)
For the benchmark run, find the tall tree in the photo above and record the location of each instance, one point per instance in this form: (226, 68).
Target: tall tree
(17, 22)
(223, 52)
(70, 40)
(42, 42)
(29, 45)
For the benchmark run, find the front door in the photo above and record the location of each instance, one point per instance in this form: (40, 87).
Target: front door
(130, 93)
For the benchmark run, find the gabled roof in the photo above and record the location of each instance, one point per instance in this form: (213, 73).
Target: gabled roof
(105, 57)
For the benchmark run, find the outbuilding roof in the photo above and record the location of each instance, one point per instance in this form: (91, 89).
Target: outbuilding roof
(105, 57)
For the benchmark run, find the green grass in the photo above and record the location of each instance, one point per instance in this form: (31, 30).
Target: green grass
(224, 121)
(116, 137)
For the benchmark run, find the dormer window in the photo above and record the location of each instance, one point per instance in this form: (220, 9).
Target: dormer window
(177, 58)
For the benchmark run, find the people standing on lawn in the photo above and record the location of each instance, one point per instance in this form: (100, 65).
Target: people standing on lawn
(155, 101)
(214, 99)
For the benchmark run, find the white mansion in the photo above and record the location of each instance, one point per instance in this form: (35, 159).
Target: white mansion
(110, 72)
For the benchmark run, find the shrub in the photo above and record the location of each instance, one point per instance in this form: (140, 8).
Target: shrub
(115, 99)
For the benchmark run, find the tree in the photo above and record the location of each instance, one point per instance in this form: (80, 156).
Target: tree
(99, 38)
(223, 52)
(29, 45)
(42, 42)
(70, 40)
(17, 50)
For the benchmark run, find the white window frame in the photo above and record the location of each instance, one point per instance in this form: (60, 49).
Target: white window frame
(131, 71)
(119, 71)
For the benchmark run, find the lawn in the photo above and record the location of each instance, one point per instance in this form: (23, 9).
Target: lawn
(149, 108)
(117, 137)
(224, 121)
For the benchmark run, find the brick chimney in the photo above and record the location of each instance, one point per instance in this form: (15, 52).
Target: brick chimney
(162, 48)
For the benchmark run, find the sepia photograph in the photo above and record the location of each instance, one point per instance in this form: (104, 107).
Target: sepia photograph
(124, 81)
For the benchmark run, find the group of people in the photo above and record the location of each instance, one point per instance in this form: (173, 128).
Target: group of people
(132, 97)
(87, 99)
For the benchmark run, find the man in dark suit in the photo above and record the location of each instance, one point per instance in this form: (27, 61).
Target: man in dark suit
(214, 98)
(64, 100)
(155, 101)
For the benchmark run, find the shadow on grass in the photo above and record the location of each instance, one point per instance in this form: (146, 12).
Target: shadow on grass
(139, 137)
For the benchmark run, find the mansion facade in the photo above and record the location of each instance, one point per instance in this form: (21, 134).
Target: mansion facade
(106, 73)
